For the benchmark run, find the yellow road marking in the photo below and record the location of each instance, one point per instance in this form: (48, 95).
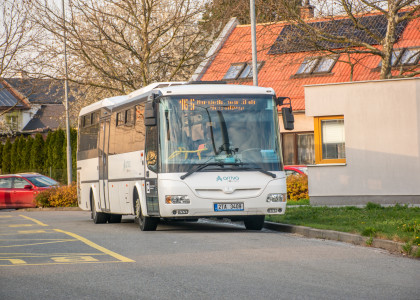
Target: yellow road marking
(20, 225)
(57, 241)
(96, 246)
(56, 263)
(9, 240)
(41, 255)
(15, 261)
(31, 231)
(73, 259)
(33, 220)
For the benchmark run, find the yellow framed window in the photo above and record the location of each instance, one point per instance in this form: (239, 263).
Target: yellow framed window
(329, 140)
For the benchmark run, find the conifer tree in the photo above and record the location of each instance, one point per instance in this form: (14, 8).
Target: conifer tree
(6, 159)
(37, 153)
(73, 138)
(57, 157)
(27, 154)
(14, 156)
(1, 155)
(48, 147)
(21, 143)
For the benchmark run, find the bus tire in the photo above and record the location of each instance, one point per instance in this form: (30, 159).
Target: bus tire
(113, 218)
(254, 222)
(145, 223)
(98, 217)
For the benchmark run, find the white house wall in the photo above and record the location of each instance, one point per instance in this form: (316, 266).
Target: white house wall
(302, 123)
(382, 136)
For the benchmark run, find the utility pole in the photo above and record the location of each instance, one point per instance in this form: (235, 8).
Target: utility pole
(66, 100)
(254, 42)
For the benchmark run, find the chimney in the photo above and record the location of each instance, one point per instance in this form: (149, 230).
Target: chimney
(307, 10)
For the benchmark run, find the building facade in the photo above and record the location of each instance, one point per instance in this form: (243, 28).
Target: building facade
(288, 67)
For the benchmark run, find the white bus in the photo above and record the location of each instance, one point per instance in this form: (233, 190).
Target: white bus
(182, 151)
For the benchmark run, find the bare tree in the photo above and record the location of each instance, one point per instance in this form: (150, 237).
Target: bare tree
(359, 27)
(17, 33)
(117, 46)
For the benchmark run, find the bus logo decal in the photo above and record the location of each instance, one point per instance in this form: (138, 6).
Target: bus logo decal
(227, 178)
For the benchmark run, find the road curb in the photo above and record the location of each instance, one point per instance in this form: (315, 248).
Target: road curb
(51, 209)
(355, 239)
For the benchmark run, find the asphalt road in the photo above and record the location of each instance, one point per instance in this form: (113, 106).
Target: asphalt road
(63, 255)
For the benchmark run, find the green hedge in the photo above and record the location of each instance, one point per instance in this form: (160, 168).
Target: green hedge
(48, 157)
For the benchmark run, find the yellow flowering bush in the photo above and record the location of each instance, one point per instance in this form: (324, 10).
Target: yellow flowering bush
(297, 187)
(62, 196)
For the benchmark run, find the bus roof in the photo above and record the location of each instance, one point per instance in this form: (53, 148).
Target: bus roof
(176, 88)
(224, 89)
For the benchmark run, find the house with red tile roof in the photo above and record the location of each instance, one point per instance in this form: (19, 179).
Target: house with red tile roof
(29, 106)
(288, 69)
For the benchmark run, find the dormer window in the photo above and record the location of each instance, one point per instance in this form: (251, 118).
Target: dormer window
(307, 66)
(410, 57)
(241, 71)
(317, 65)
(404, 57)
(234, 71)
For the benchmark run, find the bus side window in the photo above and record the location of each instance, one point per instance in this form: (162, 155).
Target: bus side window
(139, 128)
(151, 147)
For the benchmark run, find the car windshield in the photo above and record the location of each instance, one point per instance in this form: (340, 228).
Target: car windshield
(42, 181)
(221, 129)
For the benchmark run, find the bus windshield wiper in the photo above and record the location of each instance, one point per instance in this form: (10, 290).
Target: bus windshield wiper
(221, 164)
(200, 167)
(259, 169)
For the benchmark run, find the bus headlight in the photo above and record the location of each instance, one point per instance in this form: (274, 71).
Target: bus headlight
(177, 199)
(276, 198)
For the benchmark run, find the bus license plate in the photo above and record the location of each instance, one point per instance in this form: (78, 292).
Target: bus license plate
(228, 206)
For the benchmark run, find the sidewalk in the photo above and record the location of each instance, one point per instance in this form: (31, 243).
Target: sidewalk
(391, 246)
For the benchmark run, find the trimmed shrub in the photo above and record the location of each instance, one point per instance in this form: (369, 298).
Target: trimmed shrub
(43, 198)
(63, 196)
(37, 157)
(1, 154)
(6, 166)
(297, 187)
(27, 153)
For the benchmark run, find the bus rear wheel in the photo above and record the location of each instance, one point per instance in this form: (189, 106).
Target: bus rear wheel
(254, 222)
(145, 223)
(113, 218)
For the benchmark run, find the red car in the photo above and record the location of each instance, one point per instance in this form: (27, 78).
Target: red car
(296, 170)
(19, 190)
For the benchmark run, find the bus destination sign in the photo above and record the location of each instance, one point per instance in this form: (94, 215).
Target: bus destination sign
(216, 104)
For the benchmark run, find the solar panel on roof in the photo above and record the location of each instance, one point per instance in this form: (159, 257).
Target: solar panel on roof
(6, 98)
(293, 39)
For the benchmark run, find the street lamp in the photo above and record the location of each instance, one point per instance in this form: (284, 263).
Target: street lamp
(66, 100)
(254, 42)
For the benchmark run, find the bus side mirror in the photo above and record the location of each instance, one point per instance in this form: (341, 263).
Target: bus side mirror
(288, 118)
(280, 100)
(286, 112)
(150, 111)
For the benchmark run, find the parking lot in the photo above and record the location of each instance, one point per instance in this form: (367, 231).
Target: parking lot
(27, 241)
(63, 255)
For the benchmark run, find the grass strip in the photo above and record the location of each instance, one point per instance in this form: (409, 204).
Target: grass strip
(398, 223)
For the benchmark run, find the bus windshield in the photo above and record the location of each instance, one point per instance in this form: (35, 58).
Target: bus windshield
(240, 130)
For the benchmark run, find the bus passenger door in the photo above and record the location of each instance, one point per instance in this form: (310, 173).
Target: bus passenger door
(151, 188)
(103, 146)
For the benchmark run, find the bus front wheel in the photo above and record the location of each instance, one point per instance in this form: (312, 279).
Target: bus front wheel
(254, 222)
(98, 217)
(145, 223)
